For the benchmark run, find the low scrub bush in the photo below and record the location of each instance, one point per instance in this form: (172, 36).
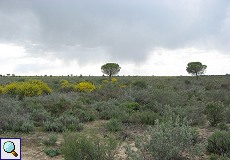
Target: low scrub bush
(14, 117)
(187, 82)
(168, 140)
(109, 110)
(63, 123)
(223, 126)
(168, 97)
(142, 97)
(143, 117)
(85, 115)
(228, 115)
(195, 114)
(219, 143)
(39, 116)
(131, 106)
(52, 152)
(147, 117)
(114, 125)
(77, 146)
(214, 157)
(27, 126)
(108, 91)
(53, 126)
(51, 141)
(139, 84)
(215, 113)
(56, 104)
(69, 122)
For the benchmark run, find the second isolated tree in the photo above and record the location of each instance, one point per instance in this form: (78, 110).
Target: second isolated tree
(195, 68)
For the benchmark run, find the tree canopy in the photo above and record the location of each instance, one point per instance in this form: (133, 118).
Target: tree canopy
(110, 69)
(196, 68)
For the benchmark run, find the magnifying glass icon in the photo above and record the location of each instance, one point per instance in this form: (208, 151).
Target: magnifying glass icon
(9, 147)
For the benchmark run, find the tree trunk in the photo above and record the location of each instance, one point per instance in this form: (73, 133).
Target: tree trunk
(110, 77)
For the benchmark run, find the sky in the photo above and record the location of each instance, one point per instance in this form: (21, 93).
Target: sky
(145, 37)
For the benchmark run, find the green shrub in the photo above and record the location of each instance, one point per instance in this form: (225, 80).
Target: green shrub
(56, 105)
(142, 97)
(228, 115)
(147, 117)
(140, 84)
(77, 146)
(85, 115)
(168, 97)
(14, 117)
(213, 157)
(108, 91)
(52, 152)
(161, 86)
(27, 126)
(219, 143)
(114, 125)
(215, 113)
(51, 141)
(53, 126)
(110, 111)
(143, 117)
(39, 116)
(69, 122)
(195, 114)
(223, 126)
(131, 106)
(187, 82)
(63, 123)
(168, 140)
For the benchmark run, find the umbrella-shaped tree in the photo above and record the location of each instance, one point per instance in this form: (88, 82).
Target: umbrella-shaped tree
(196, 68)
(110, 69)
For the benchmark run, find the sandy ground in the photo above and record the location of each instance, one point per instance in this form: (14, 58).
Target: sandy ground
(33, 148)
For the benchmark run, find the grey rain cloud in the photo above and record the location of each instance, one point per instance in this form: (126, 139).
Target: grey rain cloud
(121, 30)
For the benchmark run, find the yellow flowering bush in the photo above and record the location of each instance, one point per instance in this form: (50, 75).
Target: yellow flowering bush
(85, 87)
(114, 80)
(11, 88)
(105, 81)
(28, 89)
(123, 86)
(66, 86)
(64, 82)
(43, 86)
(0, 89)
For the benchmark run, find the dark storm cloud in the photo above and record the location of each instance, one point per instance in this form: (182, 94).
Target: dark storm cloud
(123, 30)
